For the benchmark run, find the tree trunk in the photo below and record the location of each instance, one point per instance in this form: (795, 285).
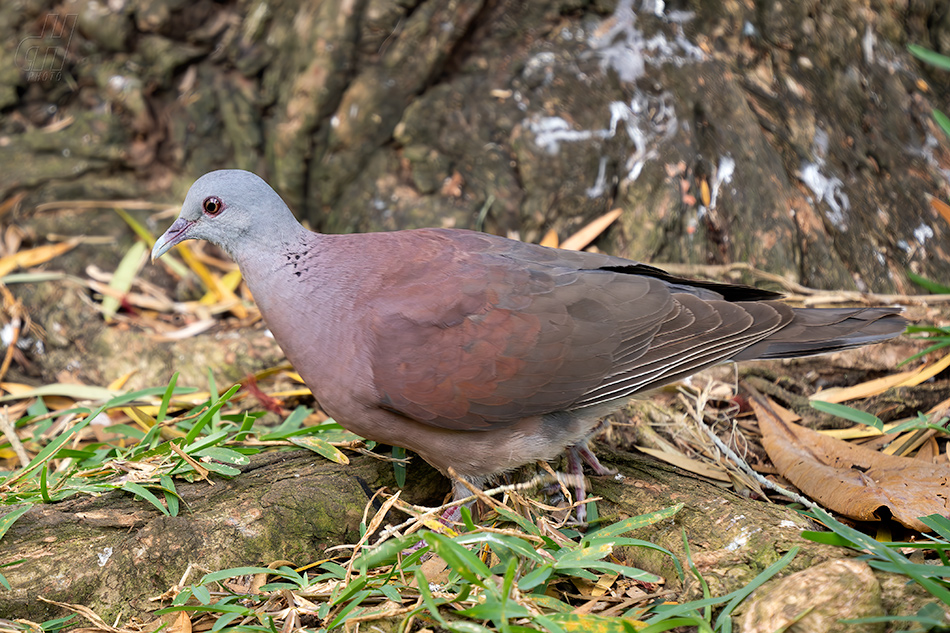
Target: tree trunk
(795, 136)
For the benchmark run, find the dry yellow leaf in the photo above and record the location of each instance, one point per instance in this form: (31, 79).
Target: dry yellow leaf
(550, 239)
(682, 461)
(34, 256)
(927, 372)
(867, 389)
(119, 382)
(941, 207)
(590, 232)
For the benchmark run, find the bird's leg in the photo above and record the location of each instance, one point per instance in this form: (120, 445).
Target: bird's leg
(450, 516)
(584, 452)
(576, 469)
(577, 454)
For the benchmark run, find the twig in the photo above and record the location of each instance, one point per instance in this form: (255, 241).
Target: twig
(9, 431)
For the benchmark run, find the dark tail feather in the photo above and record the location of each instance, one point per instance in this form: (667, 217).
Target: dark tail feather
(822, 330)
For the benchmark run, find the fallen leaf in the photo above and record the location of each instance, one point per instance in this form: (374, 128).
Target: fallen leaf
(837, 395)
(590, 232)
(550, 239)
(34, 256)
(212, 282)
(182, 624)
(859, 483)
(77, 392)
(940, 207)
(188, 331)
(682, 461)
(321, 447)
(122, 279)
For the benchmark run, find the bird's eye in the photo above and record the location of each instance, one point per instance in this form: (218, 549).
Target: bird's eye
(213, 205)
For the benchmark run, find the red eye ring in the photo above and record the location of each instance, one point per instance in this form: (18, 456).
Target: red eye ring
(212, 205)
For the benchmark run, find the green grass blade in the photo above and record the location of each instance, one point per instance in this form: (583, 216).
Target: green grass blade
(8, 519)
(931, 57)
(920, 280)
(166, 399)
(216, 405)
(848, 413)
(144, 493)
(216, 576)
(943, 121)
(458, 558)
(44, 490)
(399, 468)
(171, 495)
(633, 523)
(123, 277)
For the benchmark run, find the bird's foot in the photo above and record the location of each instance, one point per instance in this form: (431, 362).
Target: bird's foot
(577, 455)
(583, 452)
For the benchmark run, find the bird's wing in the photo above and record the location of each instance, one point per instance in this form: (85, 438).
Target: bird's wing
(484, 336)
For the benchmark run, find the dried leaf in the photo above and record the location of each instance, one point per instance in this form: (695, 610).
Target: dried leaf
(34, 256)
(66, 390)
(682, 461)
(182, 624)
(123, 277)
(926, 373)
(212, 282)
(859, 483)
(119, 382)
(550, 239)
(190, 330)
(137, 227)
(590, 232)
(10, 203)
(138, 300)
(940, 207)
(837, 395)
(874, 387)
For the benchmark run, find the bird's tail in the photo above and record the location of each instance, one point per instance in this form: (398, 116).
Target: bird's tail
(822, 330)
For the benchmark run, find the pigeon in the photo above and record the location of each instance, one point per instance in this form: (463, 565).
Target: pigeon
(481, 353)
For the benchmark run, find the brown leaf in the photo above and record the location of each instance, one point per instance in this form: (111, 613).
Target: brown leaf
(859, 483)
(182, 624)
(941, 207)
(34, 256)
(590, 232)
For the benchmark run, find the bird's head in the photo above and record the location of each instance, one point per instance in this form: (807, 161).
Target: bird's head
(231, 208)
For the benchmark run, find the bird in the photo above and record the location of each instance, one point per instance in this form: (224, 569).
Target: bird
(481, 353)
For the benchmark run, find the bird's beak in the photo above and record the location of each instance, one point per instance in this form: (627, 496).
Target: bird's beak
(176, 233)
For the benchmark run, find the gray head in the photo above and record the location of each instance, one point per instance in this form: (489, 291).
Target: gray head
(232, 208)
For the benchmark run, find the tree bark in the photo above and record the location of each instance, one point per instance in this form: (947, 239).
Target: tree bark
(797, 137)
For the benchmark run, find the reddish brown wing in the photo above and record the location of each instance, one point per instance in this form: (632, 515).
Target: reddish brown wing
(476, 332)
(480, 338)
